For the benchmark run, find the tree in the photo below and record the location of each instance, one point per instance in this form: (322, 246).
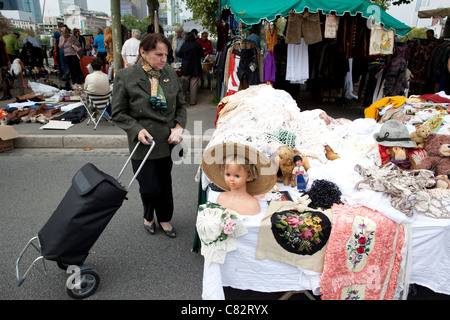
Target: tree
(205, 11)
(152, 6)
(385, 4)
(130, 22)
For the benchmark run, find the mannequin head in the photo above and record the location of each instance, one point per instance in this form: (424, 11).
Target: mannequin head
(237, 171)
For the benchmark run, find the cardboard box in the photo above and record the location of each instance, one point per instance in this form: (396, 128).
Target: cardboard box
(7, 136)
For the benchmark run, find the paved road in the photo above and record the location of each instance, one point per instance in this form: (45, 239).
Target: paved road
(132, 264)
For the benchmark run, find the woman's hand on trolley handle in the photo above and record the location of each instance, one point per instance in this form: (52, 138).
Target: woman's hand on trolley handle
(144, 137)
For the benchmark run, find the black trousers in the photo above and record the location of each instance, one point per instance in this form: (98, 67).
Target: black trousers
(155, 187)
(74, 69)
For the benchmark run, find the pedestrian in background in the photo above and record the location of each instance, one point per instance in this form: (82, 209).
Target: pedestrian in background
(99, 45)
(81, 41)
(59, 53)
(12, 44)
(67, 41)
(207, 50)
(130, 49)
(148, 102)
(191, 54)
(177, 42)
(5, 64)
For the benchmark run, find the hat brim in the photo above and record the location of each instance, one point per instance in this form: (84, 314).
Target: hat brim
(214, 158)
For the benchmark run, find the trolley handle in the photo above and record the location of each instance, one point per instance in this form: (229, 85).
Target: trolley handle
(153, 143)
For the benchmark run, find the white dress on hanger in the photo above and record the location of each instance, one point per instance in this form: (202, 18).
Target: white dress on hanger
(297, 65)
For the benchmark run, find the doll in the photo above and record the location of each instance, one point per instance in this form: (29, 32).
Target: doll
(237, 172)
(299, 173)
(394, 145)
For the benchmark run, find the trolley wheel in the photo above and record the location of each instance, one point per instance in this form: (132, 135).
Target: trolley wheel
(89, 281)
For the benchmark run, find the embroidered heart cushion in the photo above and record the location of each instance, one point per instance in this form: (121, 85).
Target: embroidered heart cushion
(301, 233)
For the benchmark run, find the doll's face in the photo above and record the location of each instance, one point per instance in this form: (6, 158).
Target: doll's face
(235, 176)
(398, 153)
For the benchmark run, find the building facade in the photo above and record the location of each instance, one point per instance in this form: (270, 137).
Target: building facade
(86, 20)
(30, 6)
(65, 4)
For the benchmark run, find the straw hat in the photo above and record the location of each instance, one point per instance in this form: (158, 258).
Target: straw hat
(214, 157)
(394, 133)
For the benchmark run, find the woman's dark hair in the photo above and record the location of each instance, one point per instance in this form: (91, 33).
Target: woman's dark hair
(190, 37)
(151, 28)
(97, 64)
(150, 41)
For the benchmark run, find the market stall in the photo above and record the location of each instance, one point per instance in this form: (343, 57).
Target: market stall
(325, 45)
(404, 231)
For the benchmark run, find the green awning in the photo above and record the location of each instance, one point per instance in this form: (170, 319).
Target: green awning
(253, 11)
(439, 12)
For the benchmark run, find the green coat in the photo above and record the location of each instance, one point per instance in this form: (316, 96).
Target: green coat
(132, 112)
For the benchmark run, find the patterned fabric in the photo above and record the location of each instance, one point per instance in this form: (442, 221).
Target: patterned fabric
(157, 99)
(218, 229)
(407, 189)
(363, 258)
(294, 234)
(271, 37)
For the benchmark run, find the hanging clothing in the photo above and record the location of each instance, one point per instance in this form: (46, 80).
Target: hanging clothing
(331, 26)
(242, 67)
(270, 70)
(304, 25)
(354, 36)
(271, 37)
(297, 68)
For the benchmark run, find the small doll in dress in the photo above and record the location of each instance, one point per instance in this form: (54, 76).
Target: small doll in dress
(299, 172)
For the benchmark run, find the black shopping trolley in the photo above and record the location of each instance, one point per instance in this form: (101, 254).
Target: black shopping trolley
(76, 224)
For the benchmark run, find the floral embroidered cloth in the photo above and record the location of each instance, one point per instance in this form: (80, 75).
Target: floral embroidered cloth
(363, 257)
(218, 229)
(294, 234)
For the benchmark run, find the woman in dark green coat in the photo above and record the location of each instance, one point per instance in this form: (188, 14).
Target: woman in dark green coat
(148, 102)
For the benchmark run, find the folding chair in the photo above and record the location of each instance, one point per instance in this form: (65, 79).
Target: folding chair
(96, 107)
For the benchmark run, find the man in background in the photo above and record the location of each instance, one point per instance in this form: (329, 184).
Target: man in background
(177, 42)
(12, 44)
(130, 49)
(207, 49)
(99, 45)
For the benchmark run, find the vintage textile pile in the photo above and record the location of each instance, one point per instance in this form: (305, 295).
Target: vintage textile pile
(407, 189)
(267, 118)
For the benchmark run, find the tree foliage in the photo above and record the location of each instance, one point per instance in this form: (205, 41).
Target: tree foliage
(205, 11)
(130, 22)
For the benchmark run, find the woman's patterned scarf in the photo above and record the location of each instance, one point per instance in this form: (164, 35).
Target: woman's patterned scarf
(157, 99)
